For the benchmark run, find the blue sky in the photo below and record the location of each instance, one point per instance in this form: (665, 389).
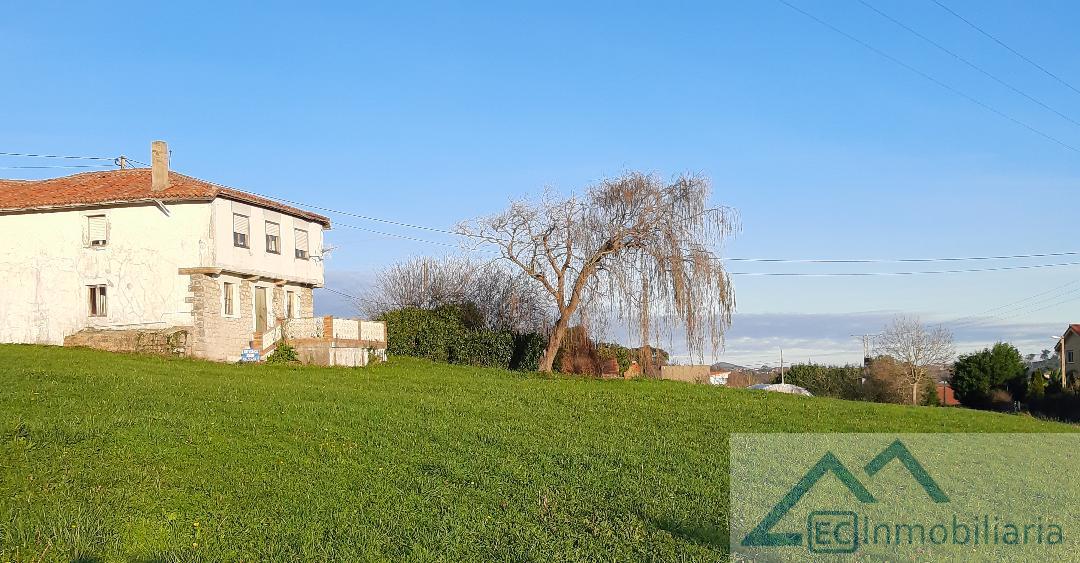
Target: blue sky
(433, 113)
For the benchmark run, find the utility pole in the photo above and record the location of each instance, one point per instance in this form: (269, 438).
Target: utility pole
(865, 354)
(122, 162)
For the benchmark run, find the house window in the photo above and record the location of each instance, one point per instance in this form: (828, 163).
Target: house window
(240, 230)
(273, 237)
(290, 305)
(301, 244)
(98, 302)
(97, 230)
(1069, 356)
(230, 298)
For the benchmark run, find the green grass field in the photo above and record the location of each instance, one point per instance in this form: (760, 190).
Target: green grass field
(118, 457)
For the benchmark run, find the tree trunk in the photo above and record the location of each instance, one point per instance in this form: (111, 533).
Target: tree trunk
(915, 393)
(554, 342)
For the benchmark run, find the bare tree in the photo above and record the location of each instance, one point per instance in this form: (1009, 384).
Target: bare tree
(916, 348)
(641, 245)
(502, 299)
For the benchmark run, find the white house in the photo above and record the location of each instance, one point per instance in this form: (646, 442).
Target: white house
(152, 259)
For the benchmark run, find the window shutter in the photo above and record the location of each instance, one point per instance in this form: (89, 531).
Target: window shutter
(239, 224)
(98, 229)
(273, 229)
(301, 240)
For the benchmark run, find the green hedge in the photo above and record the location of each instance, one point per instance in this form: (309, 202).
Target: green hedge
(443, 335)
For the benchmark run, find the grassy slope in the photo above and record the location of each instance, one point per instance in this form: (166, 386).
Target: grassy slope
(127, 457)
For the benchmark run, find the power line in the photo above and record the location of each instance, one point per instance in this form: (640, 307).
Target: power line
(58, 166)
(376, 219)
(341, 293)
(1022, 313)
(978, 68)
(1007, 47)
(963, 320)
(728, 259)
(1013, 311)
(955, 91)
(56, 156)
(395, 235)
(784, 274)
(898, 260)
(911, 273)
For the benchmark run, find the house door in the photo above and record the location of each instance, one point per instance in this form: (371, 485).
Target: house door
(260, 309)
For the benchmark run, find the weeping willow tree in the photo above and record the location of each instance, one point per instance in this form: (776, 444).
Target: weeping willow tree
(636, 243)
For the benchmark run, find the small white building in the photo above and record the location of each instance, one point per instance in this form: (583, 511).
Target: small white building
(153, 260)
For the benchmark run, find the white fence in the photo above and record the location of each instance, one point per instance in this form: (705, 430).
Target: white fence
(271, 336)
(309, 327)
(373, 331)
(343, 329)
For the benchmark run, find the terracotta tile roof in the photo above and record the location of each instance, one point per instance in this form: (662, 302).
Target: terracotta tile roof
(126, 186)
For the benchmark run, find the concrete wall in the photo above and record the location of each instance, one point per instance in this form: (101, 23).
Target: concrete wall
(47, 264)
(689, 374)
(255, 258)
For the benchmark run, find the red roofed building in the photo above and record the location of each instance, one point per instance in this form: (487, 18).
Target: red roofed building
(152, 256)
(1068, 348)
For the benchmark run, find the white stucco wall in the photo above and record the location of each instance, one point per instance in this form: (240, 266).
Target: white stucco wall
(255, 258)
(47, 265)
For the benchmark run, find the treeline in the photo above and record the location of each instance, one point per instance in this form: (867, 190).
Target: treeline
(884, 380)
(997, 378)
(462, 311)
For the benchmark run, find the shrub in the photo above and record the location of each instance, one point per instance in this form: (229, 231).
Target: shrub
(930, 393)
(1001, 399)
(483, 348)
(283, 354)
(423, 333)
(1059, 406)
(827, 381)
(449, 334)
(1036, 386)
(528, 348)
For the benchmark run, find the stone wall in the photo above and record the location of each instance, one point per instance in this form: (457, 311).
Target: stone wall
(216, 336)
(172, 341)
(307, 302)
(222, 338)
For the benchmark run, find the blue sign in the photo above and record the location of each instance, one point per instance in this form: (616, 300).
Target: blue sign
(249, 355)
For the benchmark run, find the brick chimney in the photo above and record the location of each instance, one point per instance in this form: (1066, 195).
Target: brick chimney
(159, 166)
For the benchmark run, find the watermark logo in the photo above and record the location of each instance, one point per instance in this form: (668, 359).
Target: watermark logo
(829, 463)
(912, 496)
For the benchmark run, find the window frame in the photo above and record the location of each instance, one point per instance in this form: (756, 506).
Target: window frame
(1068, 356)
(301, 253)
(90, 240)
(228, 294)
(247, 236)
(276, 238)
(97, 300)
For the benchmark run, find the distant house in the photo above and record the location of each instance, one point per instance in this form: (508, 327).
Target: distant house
(152, 260)
(1068, 348)
(945, 395)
